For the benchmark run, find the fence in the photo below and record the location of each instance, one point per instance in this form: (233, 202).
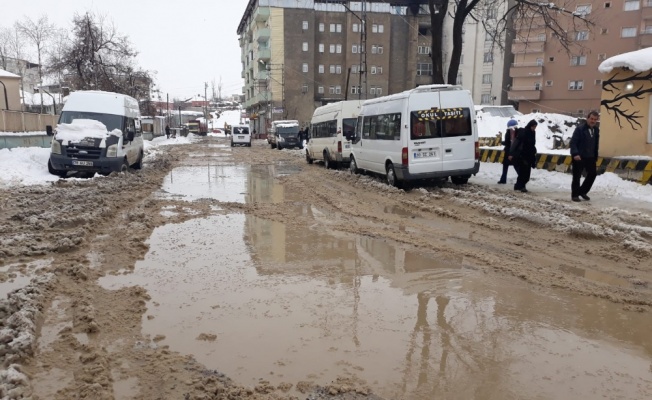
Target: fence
(18, 121)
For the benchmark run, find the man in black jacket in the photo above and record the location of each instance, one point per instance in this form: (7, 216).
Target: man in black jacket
(584, 150)
(523, 154)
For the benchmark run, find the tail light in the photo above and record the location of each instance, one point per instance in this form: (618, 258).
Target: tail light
(339, 146)
(477, 150)
(404, 156)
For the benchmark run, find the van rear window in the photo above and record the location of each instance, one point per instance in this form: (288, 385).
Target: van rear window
(434, 123)
(459, 124)
(423, 126)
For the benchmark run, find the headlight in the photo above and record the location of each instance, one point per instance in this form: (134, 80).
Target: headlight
(112, 151)
(55, 147)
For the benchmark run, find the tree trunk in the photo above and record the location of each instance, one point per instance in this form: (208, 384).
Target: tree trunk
(456, 54)
(438, 10)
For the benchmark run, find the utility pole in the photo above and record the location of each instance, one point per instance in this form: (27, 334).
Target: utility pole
(167, 108)
(206, 102)
(364, 46)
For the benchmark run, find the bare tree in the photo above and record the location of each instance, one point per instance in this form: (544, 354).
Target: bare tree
(219, 88)
(554, 17)
(5, 48)
(621, 104)
(98, 57)
(39, 33)
(17, 50)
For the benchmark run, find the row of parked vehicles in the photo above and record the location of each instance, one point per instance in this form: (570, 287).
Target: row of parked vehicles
(429, 132)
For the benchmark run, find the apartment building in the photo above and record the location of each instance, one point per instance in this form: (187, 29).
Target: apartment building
(546, 78)
(297, 56)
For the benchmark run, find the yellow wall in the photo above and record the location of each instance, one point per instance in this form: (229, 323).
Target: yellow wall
(277, 43)
(623, 139)
(13, 94)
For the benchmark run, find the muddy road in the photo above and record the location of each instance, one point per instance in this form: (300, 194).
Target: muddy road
(245, 273)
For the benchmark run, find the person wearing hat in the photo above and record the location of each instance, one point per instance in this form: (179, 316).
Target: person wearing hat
(523, 154)
(510, 135)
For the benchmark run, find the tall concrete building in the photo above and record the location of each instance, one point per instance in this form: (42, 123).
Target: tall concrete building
(546, 78)
(297, 56)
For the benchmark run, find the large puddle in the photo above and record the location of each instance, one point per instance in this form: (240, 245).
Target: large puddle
(258, 299)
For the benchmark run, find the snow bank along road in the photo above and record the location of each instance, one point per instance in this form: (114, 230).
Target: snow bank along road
(112, 312)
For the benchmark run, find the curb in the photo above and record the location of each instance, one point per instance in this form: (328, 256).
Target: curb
(633, 170)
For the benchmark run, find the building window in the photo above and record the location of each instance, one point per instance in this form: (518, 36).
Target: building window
(575, 85)
(355, 89)
(628, 32)
(424, 69)
(321, 27)
(354, 48)
(321, 47)
(332, 28)
(355, 28)
(372, 90)
(380, 49)
(354, 68)
(548, 83)
(338, 48)
(551, 59)
(598, 82)
(381, 29)
(374, 28)
(485, 99)
(583, 9)
(648, 28)
(304, 88)
(331, 48)
(488, 58)
(379, 70)
(331, 68)
(632, 5)
(604, 31)
(374, 49)
(338, 28)
(304, 25)
(304, 46)
(338, 89)
(539, 62)
(581, 35)
(331, 90)
(373, 70)
(320, 89)
(458, 81)
(304, 67)
(578, 60)
(486, 78)
(338, 69)
(321, 68)
(423, 49)
(537, 85)
(607, 4)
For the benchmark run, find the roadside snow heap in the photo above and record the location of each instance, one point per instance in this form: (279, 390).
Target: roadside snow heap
(80, 129)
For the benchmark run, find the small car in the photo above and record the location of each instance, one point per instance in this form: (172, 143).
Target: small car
(240, 135)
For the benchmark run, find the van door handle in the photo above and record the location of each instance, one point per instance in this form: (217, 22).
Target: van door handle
(449, 150)
(463, 139)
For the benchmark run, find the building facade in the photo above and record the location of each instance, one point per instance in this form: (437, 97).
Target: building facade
(297, 56)
(546, 78)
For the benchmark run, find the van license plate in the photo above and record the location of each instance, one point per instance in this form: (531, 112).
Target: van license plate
(240, 137)
(82, 163)
(425, 154)
(347, 146)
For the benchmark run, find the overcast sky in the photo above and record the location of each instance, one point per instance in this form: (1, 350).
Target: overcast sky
(185, 42)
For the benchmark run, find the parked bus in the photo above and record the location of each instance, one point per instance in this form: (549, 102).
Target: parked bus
(423, 133)
(331, 129)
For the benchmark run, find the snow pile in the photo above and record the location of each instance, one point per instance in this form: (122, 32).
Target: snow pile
(230, 117)
(637, 61)
(549, 124)
(25, 166)
(80, 129)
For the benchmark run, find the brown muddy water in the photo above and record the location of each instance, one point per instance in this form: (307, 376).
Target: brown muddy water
(260, 299)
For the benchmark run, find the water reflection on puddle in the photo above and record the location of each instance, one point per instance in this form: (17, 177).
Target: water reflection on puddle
(16, 276)
(288, 304)
(226, 183)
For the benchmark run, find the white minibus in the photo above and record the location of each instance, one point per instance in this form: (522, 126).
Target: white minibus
(331, 129)
(423, 133)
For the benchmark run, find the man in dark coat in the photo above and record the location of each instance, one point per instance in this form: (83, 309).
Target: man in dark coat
(167, 131)
(523, 154)
(584, 149)
(510, 135)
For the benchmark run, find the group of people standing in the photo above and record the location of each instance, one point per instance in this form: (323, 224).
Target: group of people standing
(520, 151)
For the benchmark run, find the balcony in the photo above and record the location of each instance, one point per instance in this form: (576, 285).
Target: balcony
(262, 35)
(264, 54)
(261, 14)
(528, 47)
(525, 70)
(262, 75)
(645, 39)
(524, 93)
(646, 10)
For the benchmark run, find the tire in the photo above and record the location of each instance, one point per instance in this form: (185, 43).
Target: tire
(232, 144)
(125, 166)
(272, 146)
(309, 159)
(139, 163)
(57, 172)
(248, 144)
(327, 162)
(391, 176)
(353, 166)
(278, 147)
(460, 180)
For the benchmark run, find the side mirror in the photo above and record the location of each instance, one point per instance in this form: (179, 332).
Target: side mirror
(130, 135)
(48, 130)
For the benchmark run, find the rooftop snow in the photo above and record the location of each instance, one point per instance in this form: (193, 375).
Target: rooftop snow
(7, 74)
(637, 61)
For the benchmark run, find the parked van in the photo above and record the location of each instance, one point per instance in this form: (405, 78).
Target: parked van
(97, 132)
(284, 134)
(240, 135)
(423, 133)
(331, 129)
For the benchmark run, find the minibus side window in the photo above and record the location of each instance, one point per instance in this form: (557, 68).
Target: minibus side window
(332, 128)
(423, 128)
(389, 127)
(366, 128)
(458, 126)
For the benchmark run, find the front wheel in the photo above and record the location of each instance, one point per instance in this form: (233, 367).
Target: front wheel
(353, 167)
(125, 166)
(57, 172)
(327, 162)
(139, 163)
(392, 180)
(460, 180)
(309, 159)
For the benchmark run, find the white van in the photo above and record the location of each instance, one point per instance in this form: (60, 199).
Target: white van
(284, 134)
(331, 129)
(240, 135)
(423, 133)
(97, 132)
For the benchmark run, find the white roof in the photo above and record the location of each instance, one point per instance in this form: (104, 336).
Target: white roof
(637, 61)
(7, 74)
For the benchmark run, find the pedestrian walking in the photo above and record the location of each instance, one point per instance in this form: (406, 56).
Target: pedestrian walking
(584, 147)
(167, 131)
(523, 154)
(510, 135)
